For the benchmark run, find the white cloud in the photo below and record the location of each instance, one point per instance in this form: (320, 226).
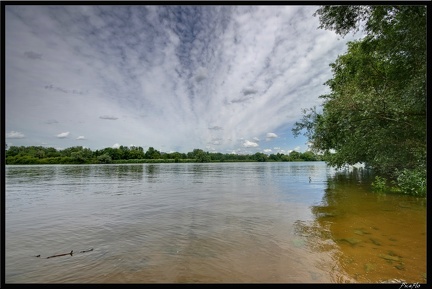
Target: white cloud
(256, 139)
(267, 151)
(249, 144)
(80, 137)
(15, 135)
(63, 135)
(271, 135)
(115, 146)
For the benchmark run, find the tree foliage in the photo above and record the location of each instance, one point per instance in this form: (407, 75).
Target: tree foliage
(375, 112)
(123, 154)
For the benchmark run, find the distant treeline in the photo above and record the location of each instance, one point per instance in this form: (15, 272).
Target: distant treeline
(124, 154)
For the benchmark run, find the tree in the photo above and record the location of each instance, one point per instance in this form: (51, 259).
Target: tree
(274, 157)
(200, 156)
(114, 153)
(295, 156)
(78, 157)
(376, 110)
(104, 158)
(124, 152)
(52, 152)
(260, 157)
(40, 153)
(309, 156)
(136, 153)
(151, 153)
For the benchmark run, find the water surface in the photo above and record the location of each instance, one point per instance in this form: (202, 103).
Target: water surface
(208, 223)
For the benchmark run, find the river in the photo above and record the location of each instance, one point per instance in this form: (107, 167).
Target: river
(208, 223)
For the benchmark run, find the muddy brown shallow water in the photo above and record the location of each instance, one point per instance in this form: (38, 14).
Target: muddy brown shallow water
(208, 223)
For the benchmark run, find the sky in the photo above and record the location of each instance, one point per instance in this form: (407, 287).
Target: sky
(229, 79)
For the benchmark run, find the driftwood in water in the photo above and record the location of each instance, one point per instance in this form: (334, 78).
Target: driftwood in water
(65, 254)
(71, 252)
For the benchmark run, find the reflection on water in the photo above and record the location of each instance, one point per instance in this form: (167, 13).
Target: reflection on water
(208, 223)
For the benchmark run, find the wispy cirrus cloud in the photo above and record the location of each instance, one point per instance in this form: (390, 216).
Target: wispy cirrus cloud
(33, 55)
(110, 117)
(216, 128)
(51, 121)
(197, 73)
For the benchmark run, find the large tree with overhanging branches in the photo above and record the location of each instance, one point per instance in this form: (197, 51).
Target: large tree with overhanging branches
(375, 112)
